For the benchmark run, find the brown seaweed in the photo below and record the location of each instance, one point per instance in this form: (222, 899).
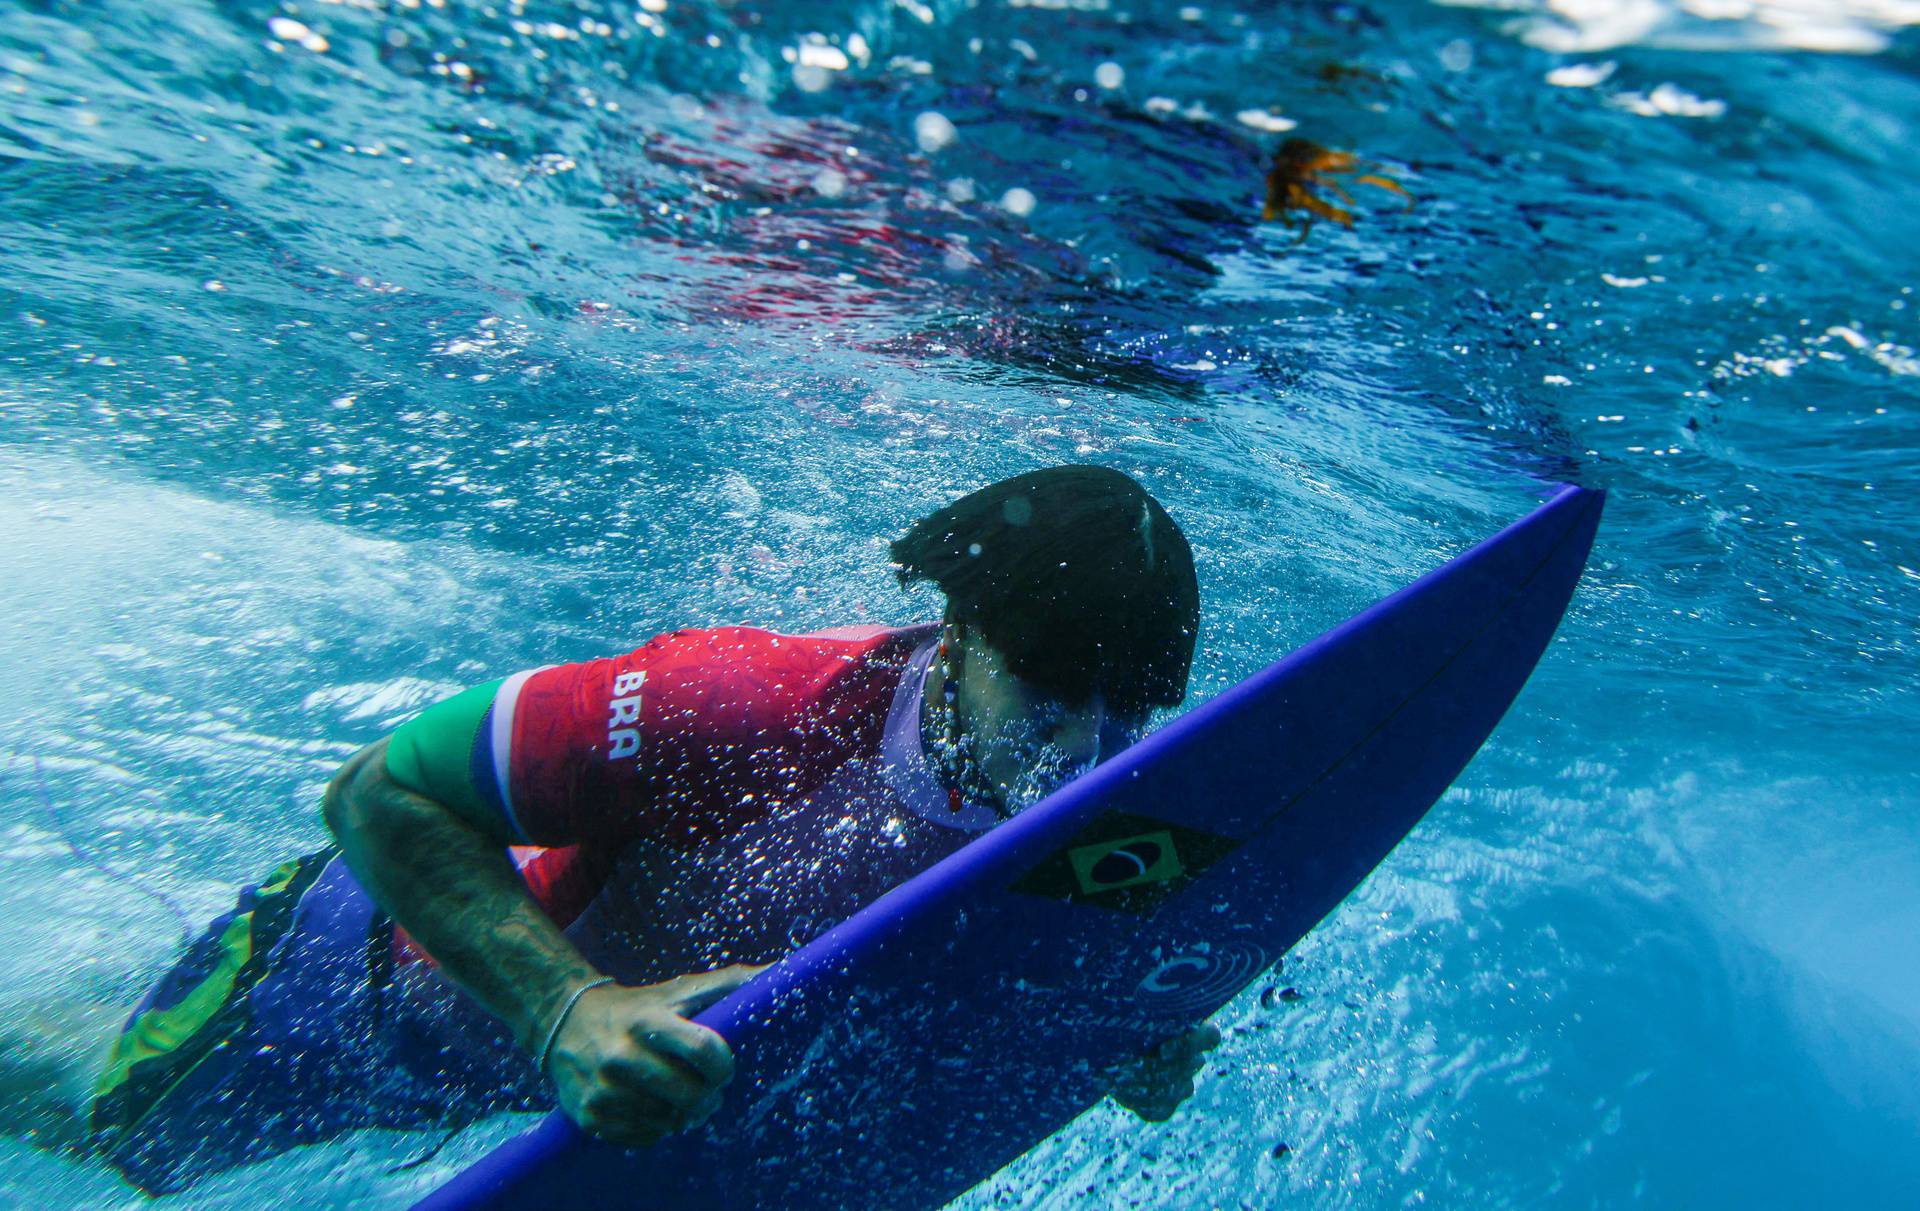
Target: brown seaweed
(1303, 170)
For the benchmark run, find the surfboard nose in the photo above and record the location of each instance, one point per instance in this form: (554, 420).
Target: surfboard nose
(1582, 506)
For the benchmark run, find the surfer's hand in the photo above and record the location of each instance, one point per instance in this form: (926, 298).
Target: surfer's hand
(1154, 1085)
(630, 1068)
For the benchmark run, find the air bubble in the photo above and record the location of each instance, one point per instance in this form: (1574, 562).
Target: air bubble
(934, 132)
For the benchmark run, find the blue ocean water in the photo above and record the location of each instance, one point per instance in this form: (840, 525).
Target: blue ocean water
(351, 353)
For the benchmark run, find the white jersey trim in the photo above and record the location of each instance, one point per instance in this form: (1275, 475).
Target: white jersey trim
(500, 745)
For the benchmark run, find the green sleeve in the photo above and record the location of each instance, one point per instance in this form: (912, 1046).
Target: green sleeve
(432, 753)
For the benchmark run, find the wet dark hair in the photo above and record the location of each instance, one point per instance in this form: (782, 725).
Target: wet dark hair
(1076, 575)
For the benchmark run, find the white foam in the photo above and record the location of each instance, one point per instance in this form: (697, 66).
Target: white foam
(1574, 27)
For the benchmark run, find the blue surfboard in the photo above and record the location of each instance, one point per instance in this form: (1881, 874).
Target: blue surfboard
(962, 1017)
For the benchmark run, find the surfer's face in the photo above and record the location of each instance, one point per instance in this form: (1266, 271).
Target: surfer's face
(1026, 741)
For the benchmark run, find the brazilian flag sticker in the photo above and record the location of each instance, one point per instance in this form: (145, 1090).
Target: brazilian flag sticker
(1126, 862)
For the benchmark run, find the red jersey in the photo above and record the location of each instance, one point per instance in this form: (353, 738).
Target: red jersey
(683, 741)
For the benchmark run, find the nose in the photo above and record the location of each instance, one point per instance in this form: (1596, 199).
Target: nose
(1078, 732)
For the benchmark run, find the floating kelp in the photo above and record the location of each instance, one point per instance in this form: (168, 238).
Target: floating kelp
(1301, 167)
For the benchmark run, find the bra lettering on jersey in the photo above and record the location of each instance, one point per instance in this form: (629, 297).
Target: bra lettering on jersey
(623, 715)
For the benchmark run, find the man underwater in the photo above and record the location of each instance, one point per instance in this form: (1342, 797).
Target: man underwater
(537, 882)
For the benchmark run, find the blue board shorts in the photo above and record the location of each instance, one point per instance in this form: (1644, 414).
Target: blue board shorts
(284, 1024)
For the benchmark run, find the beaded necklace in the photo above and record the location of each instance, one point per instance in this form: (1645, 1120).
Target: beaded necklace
(961, 774)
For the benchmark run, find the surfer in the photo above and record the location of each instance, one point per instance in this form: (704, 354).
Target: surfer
(591, 853)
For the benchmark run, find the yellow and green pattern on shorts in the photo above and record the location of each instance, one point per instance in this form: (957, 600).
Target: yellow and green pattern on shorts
(160, 1047)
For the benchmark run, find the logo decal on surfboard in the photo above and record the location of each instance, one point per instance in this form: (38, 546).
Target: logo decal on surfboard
(1199, 979)
(1125, 861)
